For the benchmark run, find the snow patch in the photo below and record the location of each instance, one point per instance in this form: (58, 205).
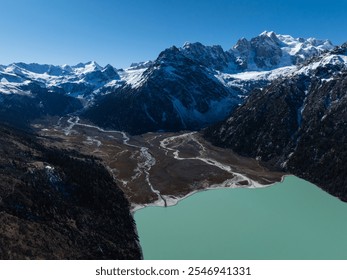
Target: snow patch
(133, 77)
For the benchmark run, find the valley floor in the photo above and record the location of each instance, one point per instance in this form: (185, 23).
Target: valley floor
(158, 168)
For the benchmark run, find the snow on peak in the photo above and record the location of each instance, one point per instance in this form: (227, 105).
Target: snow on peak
(94, 65)
(270, 50)
(295, 46)
(80, 80)
(186, 45)
(266, 52)
(90, 66)
(269, 34)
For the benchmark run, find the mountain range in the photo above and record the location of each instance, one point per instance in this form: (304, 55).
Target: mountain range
(185, 88)
(277, 99)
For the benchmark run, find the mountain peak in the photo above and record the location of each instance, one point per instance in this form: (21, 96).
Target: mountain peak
(270, 50)
(270, 34)
(188, 45)
(171, 54)
(90, 65)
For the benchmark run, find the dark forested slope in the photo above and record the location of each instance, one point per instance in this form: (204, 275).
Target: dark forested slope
(57, 204)
(298, 124)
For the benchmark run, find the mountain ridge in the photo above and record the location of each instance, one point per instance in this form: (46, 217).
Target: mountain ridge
(296, 124)
(180, 79)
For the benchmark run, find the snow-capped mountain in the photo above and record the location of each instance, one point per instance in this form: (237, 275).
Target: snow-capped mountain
(184, 88)
(196, 85)
(268, 51)
(78, 81)
(298, 124)
(265, 52)
(174, 93)
(29, 91)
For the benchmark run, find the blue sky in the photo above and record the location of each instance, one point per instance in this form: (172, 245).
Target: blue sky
(123, 31)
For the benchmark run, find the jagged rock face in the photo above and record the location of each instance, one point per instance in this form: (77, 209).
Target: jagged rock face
(269, 51)
(59, 204)
(175, 93)
(298, 124)
(263, 50)
(213, 57)
(243, 48)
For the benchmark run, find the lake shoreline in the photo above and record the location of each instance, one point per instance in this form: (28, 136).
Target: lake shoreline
(173, 201)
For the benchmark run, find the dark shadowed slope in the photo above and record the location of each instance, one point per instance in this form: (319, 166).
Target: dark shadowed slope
(57, 204)
(298, 124)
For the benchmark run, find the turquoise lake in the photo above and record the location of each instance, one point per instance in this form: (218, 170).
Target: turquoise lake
(289, 220)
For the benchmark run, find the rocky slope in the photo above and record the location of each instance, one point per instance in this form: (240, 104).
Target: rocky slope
(174, 93)
(298, 123)
(57, 204)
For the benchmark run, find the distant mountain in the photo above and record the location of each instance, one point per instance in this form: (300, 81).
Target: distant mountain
(268, 51)
(80, 80)
(30, 91)
(58, 204)
(297, 123)
(174, 93)
(185, 88)
(194, 86)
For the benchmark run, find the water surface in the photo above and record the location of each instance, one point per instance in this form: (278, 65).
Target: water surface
(289, 220)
